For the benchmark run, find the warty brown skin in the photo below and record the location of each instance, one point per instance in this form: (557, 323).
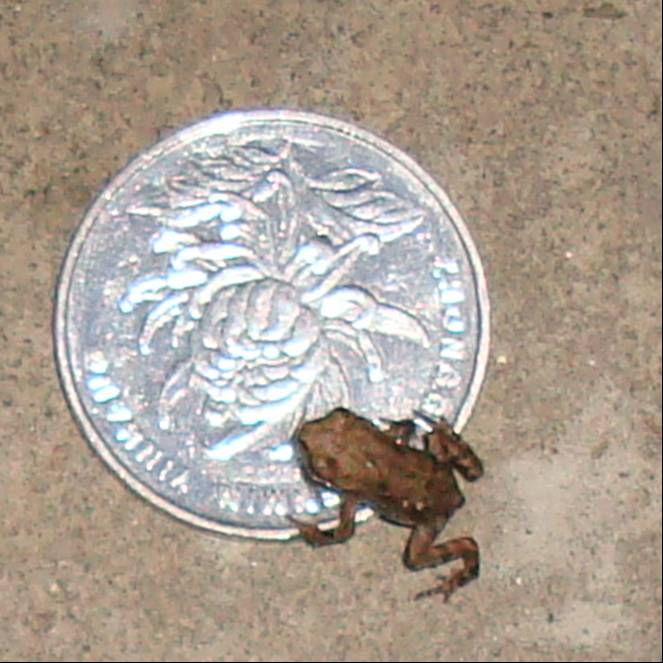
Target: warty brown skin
(404, 485)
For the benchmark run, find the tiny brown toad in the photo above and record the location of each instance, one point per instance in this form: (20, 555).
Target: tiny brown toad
(404, 485)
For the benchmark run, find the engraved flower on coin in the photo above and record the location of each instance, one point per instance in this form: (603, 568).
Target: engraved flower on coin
(257, 293)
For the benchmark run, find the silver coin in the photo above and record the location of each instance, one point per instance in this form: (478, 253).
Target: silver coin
(250, 272)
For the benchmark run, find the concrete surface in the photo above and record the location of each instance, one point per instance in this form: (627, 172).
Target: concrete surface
(542, 120)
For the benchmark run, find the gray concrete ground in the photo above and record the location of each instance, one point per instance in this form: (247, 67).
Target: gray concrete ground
(542, 119)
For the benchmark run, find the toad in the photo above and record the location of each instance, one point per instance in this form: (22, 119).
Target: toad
(407, 486)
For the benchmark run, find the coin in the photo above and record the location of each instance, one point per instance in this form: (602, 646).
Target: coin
(248, 273)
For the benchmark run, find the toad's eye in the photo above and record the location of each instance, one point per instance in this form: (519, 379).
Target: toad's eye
(325, 463)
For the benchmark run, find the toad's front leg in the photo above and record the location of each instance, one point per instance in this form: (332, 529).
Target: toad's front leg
(317, 537)
(448, 447)
(421, 553)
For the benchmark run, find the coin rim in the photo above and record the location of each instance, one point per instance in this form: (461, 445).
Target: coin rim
(224, 123)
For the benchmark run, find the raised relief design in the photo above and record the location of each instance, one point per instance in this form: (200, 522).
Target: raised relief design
(256, 293)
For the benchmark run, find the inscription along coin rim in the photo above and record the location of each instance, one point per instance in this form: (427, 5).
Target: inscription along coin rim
(224, 123)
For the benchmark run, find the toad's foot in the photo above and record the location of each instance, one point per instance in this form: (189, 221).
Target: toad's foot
(420, 553)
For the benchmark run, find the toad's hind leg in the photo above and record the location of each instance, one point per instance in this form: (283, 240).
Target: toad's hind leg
(448, 447)
(420, 553)
(317, 537)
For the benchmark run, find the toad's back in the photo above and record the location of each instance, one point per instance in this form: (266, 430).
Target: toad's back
(352, 455)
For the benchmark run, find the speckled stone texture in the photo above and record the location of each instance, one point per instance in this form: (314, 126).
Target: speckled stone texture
(542, 119)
